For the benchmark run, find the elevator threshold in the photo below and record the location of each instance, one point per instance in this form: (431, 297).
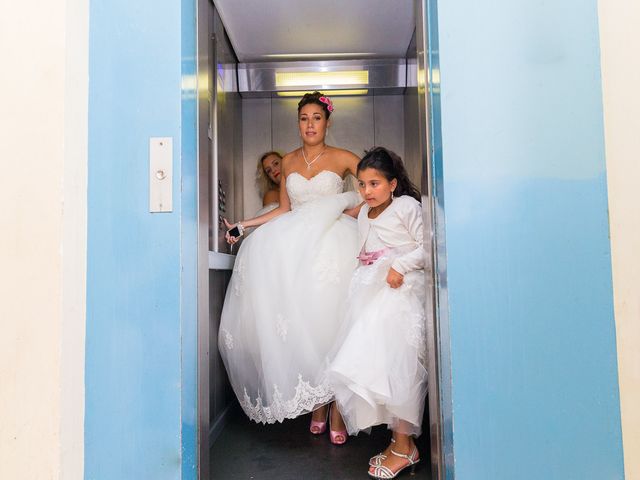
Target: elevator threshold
(245, 450)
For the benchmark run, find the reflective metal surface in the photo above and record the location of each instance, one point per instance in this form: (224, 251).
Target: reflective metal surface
(219, 144)
(226, 129)
(438, 342)
(221, 261)
(220, 393)
(205, 60)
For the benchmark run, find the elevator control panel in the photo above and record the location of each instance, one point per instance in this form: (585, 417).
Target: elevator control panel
(160, 174)
(222, 206)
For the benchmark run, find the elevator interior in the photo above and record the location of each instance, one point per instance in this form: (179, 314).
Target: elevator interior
(244, 111)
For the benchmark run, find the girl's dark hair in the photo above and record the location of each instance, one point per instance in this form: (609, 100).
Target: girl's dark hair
(314, 97)
(390, 165)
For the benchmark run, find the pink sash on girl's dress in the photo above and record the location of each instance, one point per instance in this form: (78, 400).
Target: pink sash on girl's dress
(367, 258)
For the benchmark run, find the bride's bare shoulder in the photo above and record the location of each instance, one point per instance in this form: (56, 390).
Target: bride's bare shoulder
(343, 155)
(288, 159)
(346, 160)
(290, 156)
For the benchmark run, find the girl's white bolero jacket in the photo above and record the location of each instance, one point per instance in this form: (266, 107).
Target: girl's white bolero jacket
(399, 225)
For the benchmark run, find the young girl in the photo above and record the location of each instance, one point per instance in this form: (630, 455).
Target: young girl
(378, 373)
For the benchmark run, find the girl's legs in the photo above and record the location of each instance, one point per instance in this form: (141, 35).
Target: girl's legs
(403, 444)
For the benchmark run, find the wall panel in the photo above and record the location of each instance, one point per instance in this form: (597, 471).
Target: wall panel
(528, 270)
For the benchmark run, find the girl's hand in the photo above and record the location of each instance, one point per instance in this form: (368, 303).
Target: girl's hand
(230, 240)
(394, 279)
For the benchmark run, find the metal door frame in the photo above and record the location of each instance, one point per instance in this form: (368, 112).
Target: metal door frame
(205, 155)
(438, 342)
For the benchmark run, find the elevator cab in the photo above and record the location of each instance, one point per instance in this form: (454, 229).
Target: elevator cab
(252, 70)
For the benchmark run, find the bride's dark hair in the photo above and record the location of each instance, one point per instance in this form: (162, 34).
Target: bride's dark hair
(390, 165)
(319, 99)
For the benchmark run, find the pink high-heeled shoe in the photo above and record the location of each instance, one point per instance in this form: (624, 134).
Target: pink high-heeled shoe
(337, 437)
(318, 428)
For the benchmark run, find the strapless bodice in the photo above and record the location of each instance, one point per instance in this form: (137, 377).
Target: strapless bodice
(302, 190)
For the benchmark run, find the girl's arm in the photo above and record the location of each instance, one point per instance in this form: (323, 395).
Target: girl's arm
(411, 215)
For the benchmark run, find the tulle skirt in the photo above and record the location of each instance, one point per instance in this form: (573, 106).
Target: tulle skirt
(283, 307)
(378, 366)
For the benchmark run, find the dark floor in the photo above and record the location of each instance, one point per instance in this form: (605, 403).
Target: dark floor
(248, 451)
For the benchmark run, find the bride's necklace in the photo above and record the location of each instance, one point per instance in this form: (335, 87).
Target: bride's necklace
(309, 163)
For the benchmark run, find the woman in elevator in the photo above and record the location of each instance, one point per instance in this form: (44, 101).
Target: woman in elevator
(290, 279)
(268, 180)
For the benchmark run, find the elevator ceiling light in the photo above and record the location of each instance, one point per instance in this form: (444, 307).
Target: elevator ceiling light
(331, 93)
(322, 79)
(319, 55)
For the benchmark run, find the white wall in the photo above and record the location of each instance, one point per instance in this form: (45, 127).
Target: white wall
(620, 44)
(43, 92)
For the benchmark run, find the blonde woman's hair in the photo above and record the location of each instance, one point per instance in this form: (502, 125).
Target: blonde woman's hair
(263, 182)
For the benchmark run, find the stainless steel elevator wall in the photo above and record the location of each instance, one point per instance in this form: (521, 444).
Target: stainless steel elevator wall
(226, 201)
(220, 394)
(226, 194)
(357, 124)
(412, 148)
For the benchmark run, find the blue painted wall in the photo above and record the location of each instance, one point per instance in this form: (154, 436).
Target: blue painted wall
(140, 378)
(521, 178)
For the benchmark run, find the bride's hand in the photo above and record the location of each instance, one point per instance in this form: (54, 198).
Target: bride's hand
(230, 240)
(353, 212)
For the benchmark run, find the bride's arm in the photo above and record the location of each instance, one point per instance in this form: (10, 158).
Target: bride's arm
(284, 207)
(352, 167)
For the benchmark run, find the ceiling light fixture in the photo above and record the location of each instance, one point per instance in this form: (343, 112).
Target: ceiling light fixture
(322, 79)
(318, 55)
(332, 93)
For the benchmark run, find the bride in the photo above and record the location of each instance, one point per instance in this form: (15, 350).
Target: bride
(290, 278)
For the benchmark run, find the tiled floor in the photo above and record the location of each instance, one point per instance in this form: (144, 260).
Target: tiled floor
(247, 451)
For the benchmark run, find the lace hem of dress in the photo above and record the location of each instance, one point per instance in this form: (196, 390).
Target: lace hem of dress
(305, 400)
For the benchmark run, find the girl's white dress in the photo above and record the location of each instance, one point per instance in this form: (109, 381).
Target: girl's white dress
(282, 307)
(378, 366)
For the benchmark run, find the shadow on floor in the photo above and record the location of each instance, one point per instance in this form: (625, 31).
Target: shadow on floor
(287, 451)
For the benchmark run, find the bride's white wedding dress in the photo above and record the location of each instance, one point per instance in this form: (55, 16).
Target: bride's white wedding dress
(283, 303)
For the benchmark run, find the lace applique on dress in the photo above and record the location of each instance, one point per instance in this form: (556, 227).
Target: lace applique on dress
(306, 398)
(302, 190)
(228, 339)
(239, 270)
(304, 214)
(417, 338)
(327, 270)
(282, 327)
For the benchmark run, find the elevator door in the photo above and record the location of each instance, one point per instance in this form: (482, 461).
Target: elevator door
(237, 132)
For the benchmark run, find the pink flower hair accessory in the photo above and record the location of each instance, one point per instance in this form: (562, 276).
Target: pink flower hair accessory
(327, 101)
